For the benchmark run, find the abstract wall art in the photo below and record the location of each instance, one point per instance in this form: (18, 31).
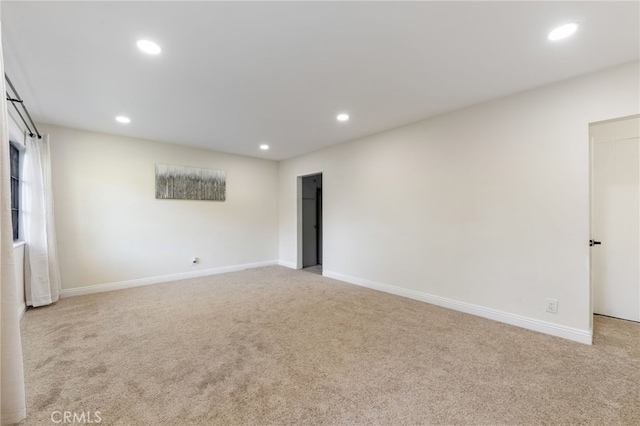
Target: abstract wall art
(190, 183)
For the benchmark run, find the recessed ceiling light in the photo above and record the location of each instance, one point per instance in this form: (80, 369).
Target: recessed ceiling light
(342, 117)
(148, 47)
(264, 147)
(563, 31)
(123, 119)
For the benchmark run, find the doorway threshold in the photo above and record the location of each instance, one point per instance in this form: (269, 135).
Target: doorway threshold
(315, 269)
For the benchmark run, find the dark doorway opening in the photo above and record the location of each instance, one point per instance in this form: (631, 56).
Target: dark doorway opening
(312, 223)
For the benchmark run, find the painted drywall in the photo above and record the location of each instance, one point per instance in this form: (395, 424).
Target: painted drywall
(486, 207)
(111, 229)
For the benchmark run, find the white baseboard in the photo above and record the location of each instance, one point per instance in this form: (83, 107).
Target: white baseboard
(99, 288)
(287, 264)
(575, 334)
(21, 310)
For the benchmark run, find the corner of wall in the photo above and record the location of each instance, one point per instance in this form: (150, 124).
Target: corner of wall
(286, 264)
(21, 311)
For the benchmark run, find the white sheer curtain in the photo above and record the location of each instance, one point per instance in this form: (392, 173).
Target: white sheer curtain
(12, 398)
(41, 273)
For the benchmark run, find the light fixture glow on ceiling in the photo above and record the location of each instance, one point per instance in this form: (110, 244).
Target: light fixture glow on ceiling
(148, 47)
(123, 119)
(264, 147)
(563, 31)
(342, 117)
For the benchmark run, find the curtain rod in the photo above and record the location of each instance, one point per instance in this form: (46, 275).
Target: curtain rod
(15, 99)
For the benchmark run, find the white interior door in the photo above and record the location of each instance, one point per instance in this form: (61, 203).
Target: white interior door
(616, 219)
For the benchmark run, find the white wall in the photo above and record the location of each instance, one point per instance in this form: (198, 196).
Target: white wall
(485, 208)
(110, 227)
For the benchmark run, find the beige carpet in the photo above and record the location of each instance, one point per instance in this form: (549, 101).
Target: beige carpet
(278, 346)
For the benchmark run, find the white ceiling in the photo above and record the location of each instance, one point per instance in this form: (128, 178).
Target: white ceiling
(234, 75)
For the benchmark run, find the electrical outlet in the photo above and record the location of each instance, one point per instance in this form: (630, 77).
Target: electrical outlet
(552, 306)
(194, 260)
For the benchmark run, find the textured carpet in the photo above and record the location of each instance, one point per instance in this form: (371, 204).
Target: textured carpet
(278, 346)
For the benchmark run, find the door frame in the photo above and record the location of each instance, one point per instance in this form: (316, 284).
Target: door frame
(590, 216)
(299, 245)
(591, 188)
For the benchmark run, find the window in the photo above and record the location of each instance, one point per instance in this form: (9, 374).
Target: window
(15, 191)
